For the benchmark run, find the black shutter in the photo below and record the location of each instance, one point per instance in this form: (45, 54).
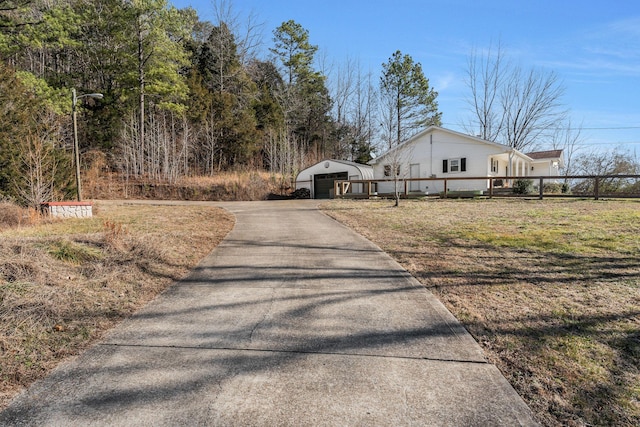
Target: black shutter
(463, 164)
(445, 166)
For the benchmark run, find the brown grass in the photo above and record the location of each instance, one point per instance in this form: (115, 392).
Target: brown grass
(63, 283)
(229, 186)
(550, 290)
(12, 215)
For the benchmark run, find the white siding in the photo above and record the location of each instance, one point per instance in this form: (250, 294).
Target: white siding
(545, 167)
(430, 149)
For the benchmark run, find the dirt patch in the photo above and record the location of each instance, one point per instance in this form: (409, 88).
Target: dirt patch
(64, 283)
(550, 290)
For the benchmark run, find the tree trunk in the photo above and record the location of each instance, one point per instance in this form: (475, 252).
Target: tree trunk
(141, 82)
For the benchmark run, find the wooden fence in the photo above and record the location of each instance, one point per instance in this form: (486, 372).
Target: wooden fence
(590, 186)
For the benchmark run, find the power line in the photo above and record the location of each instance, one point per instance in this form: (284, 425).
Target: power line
(578, 128)
(610, 143)
(612, 128)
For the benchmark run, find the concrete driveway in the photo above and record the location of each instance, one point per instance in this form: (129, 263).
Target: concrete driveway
(294, 320)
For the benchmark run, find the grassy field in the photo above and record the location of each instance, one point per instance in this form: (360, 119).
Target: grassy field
(64, 283)
(550, 290)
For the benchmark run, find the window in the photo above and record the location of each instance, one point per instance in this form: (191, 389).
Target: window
(494, 165)
(387, 170)
(454, 165)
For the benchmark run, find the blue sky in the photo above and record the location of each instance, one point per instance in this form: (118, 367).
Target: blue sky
(593, 46)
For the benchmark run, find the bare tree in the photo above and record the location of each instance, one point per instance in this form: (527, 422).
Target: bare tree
(396, 167)
(342, 88)
(510, 105)
(211, 144)
(248, 36)
(531, 107)
(569, 140)
(283, 154)
(354, 101)
(38, 166)
(618, 161)
(485, 77)
(364, 118)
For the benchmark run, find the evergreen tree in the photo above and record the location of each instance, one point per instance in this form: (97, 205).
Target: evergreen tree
(14, 19)
(305, 99)
(230, 117)
(409, 103)
(218, 61)
(14, 125)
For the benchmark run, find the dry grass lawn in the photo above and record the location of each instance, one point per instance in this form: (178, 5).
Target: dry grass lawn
(234, 186)
(550, 289)
(64, 282)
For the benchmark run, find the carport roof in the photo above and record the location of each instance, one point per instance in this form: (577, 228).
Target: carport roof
(366, 171)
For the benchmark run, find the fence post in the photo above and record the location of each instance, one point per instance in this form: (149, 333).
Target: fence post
(541, 188)
(596, 188)
(445, 189)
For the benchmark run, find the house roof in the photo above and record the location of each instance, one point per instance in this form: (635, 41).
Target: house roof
(449, 131)
(549, 154)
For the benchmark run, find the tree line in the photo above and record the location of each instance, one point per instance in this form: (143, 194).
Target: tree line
(187, 97)
(182, 96)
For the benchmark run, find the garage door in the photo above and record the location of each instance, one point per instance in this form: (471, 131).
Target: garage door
(323, 184)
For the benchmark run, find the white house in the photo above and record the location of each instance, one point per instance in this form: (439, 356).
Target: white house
(320, 178)
(546, 163)
(442, 153)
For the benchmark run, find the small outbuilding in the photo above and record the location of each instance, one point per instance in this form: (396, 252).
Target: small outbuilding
(321, 177)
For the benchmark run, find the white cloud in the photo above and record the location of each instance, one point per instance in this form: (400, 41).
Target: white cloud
(444, 81)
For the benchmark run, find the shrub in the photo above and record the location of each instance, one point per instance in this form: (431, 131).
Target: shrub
(522, 186)
(552, 188)
(10, 215)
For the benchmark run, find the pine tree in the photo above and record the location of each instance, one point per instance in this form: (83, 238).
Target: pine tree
(409, 103)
